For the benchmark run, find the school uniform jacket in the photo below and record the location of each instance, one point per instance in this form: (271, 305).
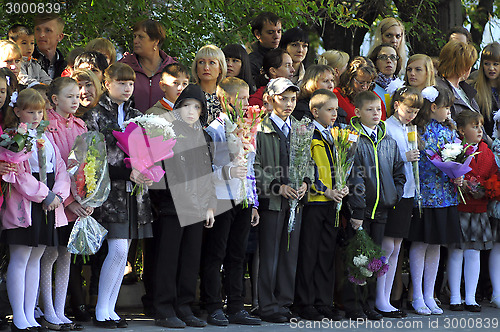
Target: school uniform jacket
(324, 176)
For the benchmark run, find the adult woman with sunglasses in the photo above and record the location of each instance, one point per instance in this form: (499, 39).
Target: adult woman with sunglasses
(358, 77)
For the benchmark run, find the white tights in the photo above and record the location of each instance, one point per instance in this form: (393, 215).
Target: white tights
(391, 247)
(495, 272)
(471, 261)
(54, 311)
(424, 263)
(110, 279)
(23, 276)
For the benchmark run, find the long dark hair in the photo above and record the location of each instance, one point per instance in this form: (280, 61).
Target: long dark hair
(237, 51)
(272, 59)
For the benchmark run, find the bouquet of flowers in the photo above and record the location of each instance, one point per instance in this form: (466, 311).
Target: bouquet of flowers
(345, 142)
(412, 140)
(241, 129)
(300, 161)
(364, 259)
(492, 187)
(146, 140)
(90, 186)
(16, 146)
(454, 160)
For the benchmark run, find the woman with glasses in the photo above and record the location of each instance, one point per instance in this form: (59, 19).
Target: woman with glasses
(388, 63)
(358, 77)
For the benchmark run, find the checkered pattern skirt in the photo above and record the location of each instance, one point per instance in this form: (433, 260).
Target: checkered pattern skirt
(476, 231)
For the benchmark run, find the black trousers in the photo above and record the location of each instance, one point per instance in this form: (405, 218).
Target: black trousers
(357, 297)
(177, 266)
(226, 244)
(278, 259)
(315, 267)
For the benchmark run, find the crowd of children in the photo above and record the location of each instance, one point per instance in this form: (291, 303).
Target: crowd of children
(196, 222)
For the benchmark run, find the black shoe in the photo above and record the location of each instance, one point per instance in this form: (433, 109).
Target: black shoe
(310, 313)
(170, 322)
(74, 326)
(217, 318)
(81, 314)
(193, 321)
(355, 315)
(457, 307)
(121, 323)
(14, 328)
(51, 326)
(242, 317)
(473, 307)
(106, 324)
(290, 315)
(330, 312)
(372, 314)
(274, 318)
(390, 314)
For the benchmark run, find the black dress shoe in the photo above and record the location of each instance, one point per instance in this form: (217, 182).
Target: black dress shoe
(372, 314)
(81, 314)
(473, 307)
(106, 324)
(274, 318)
(217, 318)
(40, 329)
(310, 313)
(354, 315)
(121, 323)
(242, 317)
(14, 328)
(193, 321)
(51, 326)
(170, 322)
(457, 307)
(330, 312)
(290, 315)
(390, 314)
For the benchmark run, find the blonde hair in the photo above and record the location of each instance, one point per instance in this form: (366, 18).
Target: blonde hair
(103, 46)
(334, 58)
(311, 77)
(27, 99)
(482, 84)
(230, 86)
(320, 97)
(7, 47)
(429, 67)
(456, 58)
(382, 27)
(210, 51)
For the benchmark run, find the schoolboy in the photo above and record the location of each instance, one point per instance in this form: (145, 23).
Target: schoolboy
(377, 179)
(226, 242)
(278, 250)
(315, 268)
(48, 33)
(174, 79)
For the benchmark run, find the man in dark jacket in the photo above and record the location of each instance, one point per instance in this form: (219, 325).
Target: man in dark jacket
(48, 33)
(377, 180)
(266, 27)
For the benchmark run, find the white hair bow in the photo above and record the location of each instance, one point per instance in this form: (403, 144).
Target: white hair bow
(13, 99)
(430, 93)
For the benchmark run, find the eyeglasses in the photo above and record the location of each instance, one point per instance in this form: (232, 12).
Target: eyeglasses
(384, 57)
(363, 84)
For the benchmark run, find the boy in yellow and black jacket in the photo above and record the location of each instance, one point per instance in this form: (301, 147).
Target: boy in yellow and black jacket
(315, 269)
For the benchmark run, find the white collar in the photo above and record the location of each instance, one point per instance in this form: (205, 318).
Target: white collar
(279, 122)
(168, 102)
(369, 130)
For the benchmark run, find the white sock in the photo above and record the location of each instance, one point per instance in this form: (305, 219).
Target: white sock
(46, 270)
(494, 264)
(455, 259)
(393, 265)
(383, 299)
(32, 283)
(430, 272)
(62, 279)
(471, 275)
(16, 276)
(112, 270)
(417, 259)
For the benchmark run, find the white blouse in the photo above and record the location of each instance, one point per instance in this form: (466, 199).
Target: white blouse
(50, 154)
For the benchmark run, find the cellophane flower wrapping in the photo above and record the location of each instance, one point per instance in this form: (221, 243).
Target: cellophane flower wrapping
(147, 140)
(413, 143)
(454, 159)
(90, 186)
(345, 142)
(364, 259)
(241, 129)
(300, 161)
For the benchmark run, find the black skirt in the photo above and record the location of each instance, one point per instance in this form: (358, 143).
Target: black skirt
(399, 219)
(436, 226)
(42, 230)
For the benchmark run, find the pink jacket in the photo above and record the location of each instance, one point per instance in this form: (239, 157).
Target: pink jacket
(27, 188)
(62, 133)
(147, 90)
